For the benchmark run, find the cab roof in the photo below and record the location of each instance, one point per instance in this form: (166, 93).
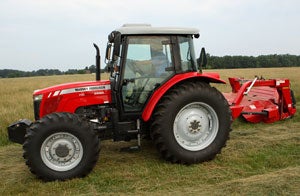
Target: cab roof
(137, 29)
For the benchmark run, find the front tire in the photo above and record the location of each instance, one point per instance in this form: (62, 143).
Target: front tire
(191, 124)
(60, 146)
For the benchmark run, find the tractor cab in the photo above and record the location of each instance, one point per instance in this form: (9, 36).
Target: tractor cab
(142, 58)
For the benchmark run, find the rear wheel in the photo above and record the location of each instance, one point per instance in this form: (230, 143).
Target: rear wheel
(191, 123)
(61, 146)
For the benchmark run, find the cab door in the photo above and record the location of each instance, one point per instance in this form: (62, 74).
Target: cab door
(148, 63)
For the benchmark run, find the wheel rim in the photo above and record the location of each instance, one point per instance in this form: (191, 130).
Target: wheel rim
(61, 151)
(196, 126)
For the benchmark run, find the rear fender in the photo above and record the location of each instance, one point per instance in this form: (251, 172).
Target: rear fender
(160, 92)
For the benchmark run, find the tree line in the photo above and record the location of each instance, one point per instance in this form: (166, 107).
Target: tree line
(214, 62)
(230, 62)
(11, 73)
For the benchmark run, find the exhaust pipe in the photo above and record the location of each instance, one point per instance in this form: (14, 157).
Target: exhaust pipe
(97, 62)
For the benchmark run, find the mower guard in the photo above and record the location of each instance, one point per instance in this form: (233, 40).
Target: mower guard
(261, 100)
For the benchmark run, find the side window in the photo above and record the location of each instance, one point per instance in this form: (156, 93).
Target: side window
(187, 54)
(138, 61)
(147, 60)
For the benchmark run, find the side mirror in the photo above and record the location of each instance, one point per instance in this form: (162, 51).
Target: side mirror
(117, 45)
(202, 60)
(108, 51)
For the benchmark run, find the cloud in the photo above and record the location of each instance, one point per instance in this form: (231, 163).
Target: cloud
(59, 34)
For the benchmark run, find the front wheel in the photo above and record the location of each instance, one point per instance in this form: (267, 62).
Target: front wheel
(60, 146)
(191, 123)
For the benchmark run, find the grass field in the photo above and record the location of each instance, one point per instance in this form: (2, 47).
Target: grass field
(259, 159)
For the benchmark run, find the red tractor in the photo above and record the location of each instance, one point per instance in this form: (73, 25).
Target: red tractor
(156, 89)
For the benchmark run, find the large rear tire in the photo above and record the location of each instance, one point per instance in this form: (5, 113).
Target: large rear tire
(60, 146)
(191, 124)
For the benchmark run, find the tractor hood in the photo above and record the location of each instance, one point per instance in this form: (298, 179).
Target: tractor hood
(70, 96)
(74, 87)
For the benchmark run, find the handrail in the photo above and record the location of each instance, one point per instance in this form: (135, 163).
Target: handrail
(249, 88)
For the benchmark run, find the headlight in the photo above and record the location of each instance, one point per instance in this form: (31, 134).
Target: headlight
(36, 105)
(37, 97)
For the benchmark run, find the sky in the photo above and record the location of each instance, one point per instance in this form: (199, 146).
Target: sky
(58, 34)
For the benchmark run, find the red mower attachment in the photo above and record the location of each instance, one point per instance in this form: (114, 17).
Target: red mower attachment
(261, 100)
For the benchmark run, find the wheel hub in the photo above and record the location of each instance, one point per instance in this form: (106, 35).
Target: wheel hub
(61, 151)
(195, 126)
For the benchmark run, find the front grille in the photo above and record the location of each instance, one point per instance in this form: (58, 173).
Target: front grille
(36, 106)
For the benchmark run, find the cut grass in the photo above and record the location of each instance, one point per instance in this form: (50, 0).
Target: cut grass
(259, 159)
(265, 167)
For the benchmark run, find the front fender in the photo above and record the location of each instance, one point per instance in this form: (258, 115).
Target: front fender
(159, 93)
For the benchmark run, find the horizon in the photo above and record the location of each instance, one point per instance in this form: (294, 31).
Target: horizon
(289, 61)
(103, 67)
